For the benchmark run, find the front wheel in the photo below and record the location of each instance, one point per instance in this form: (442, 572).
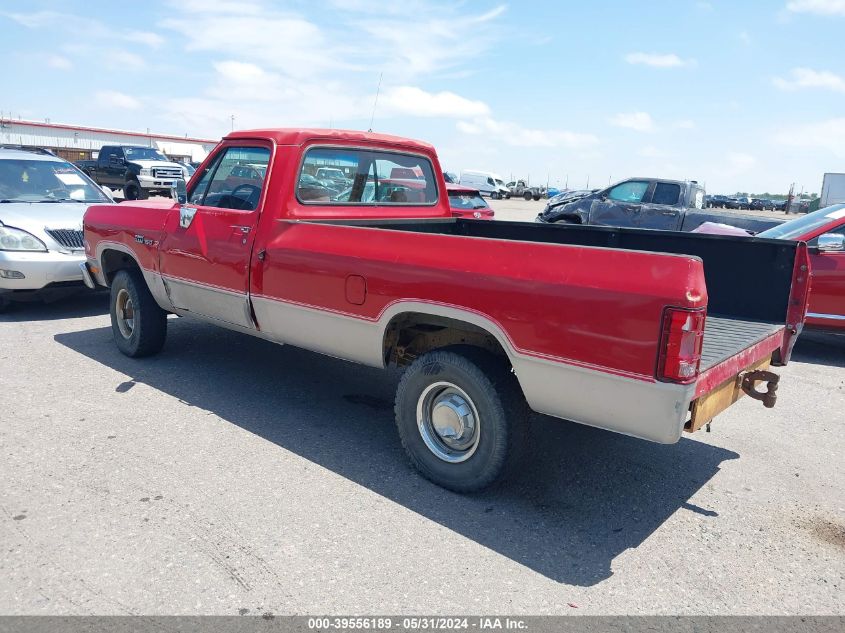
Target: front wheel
(527, 195)
(138, 324)
(462, 418)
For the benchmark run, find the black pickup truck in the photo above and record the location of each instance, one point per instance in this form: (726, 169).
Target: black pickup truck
(646, 203)
(140, 171)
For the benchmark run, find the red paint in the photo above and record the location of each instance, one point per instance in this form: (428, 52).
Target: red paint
(485, 213)
(728, 369)
(596, 308)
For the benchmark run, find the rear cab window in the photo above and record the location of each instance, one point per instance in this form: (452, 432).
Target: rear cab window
(363, 176)
(666, 193)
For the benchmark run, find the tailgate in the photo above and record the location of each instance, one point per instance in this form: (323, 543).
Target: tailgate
(732, 350)
(737, 353)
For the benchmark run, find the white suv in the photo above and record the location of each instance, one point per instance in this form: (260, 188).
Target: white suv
(42, 201)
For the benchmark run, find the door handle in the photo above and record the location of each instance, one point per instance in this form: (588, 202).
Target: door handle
(241, 228)
(670, 213)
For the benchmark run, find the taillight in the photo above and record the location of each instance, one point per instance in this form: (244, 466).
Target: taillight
(680, 345)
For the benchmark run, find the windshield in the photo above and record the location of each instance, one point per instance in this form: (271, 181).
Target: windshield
(466, 201)
(143, 153)
(46, 181)
(499, 181)
(798, 227)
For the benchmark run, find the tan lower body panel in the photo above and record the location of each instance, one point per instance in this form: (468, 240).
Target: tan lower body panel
(712, 404)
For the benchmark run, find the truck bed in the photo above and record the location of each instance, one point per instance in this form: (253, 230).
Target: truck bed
(725, 337)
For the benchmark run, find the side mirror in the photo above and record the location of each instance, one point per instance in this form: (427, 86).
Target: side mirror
(179, 191)
(831, 243)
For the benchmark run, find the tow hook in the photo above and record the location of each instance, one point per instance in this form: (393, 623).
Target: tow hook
(771, 379)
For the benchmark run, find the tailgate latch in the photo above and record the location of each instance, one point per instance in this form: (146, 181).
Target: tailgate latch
(771, 379)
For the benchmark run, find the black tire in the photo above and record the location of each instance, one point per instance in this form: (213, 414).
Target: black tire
(495, 196)
(5, 305)
(133, 190)
(507, 196)
(148, 331)
(527, 195)
(536, 196)
(493, 391)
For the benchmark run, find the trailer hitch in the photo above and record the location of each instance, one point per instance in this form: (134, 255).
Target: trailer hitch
(771, 379)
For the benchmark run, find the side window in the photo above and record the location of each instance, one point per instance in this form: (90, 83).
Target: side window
(666, 193)
(632, 191)
(362, 176)
(235, 179)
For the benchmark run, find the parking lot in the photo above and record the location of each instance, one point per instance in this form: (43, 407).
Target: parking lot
(230, 475)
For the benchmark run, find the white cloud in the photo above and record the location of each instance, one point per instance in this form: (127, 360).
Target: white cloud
(517, 135)
(650, 151)
(59, 62)
(417, 102)
(639, 121)
(827, 135)
(123, 60)
(153, 40)
(240, 71)
(819, 7)
(684, 124)
(739, 162)
(657, 60)
(90, 27)
(114, 99)
(809, 78)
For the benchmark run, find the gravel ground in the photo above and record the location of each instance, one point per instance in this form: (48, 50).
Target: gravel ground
(230, 475)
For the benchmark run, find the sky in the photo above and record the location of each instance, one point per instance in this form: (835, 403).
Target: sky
(742, 96)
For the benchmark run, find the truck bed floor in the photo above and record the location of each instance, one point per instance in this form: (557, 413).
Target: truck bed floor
(725, 337)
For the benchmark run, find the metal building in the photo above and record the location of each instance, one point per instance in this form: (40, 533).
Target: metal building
(75, 142)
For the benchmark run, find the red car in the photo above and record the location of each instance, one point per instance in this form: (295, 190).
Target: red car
(824, 233)
(614, 328)
(466, 202)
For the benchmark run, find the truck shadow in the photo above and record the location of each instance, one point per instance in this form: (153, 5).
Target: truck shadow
(82, 304)
(584, 497)
(820, 348)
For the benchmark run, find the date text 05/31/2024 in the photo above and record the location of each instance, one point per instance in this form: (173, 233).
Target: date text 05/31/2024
(415, 623)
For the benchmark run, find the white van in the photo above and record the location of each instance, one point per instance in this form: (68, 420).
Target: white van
(488, 183)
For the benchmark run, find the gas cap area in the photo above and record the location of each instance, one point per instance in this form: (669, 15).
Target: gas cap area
(356, 289)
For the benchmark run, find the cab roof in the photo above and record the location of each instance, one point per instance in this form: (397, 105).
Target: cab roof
(299, 136)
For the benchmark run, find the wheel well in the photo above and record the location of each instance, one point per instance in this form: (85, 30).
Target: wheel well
(112, 261)
(411, 334)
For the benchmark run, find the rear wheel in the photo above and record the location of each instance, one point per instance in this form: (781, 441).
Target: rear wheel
(462, 418)
(138, 324)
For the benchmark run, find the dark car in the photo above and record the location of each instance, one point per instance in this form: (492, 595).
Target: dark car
(648, 203)
(762, 204)
(716, 202)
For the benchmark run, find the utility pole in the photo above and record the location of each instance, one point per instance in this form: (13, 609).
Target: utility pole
(233, 122)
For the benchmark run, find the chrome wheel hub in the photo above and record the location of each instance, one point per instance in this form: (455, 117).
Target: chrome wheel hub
(125, 313)
(448, 422)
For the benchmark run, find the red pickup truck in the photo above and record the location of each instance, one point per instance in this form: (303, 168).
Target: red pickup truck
(641, 332)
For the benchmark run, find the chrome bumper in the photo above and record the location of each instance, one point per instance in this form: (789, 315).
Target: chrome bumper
(86, 276)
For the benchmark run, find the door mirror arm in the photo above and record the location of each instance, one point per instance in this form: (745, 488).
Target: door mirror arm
(179, 191)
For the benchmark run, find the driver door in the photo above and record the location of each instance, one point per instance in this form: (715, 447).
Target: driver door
(621, 205)
(205, 254)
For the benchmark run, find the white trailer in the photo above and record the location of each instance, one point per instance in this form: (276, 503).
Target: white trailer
(833, 190)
